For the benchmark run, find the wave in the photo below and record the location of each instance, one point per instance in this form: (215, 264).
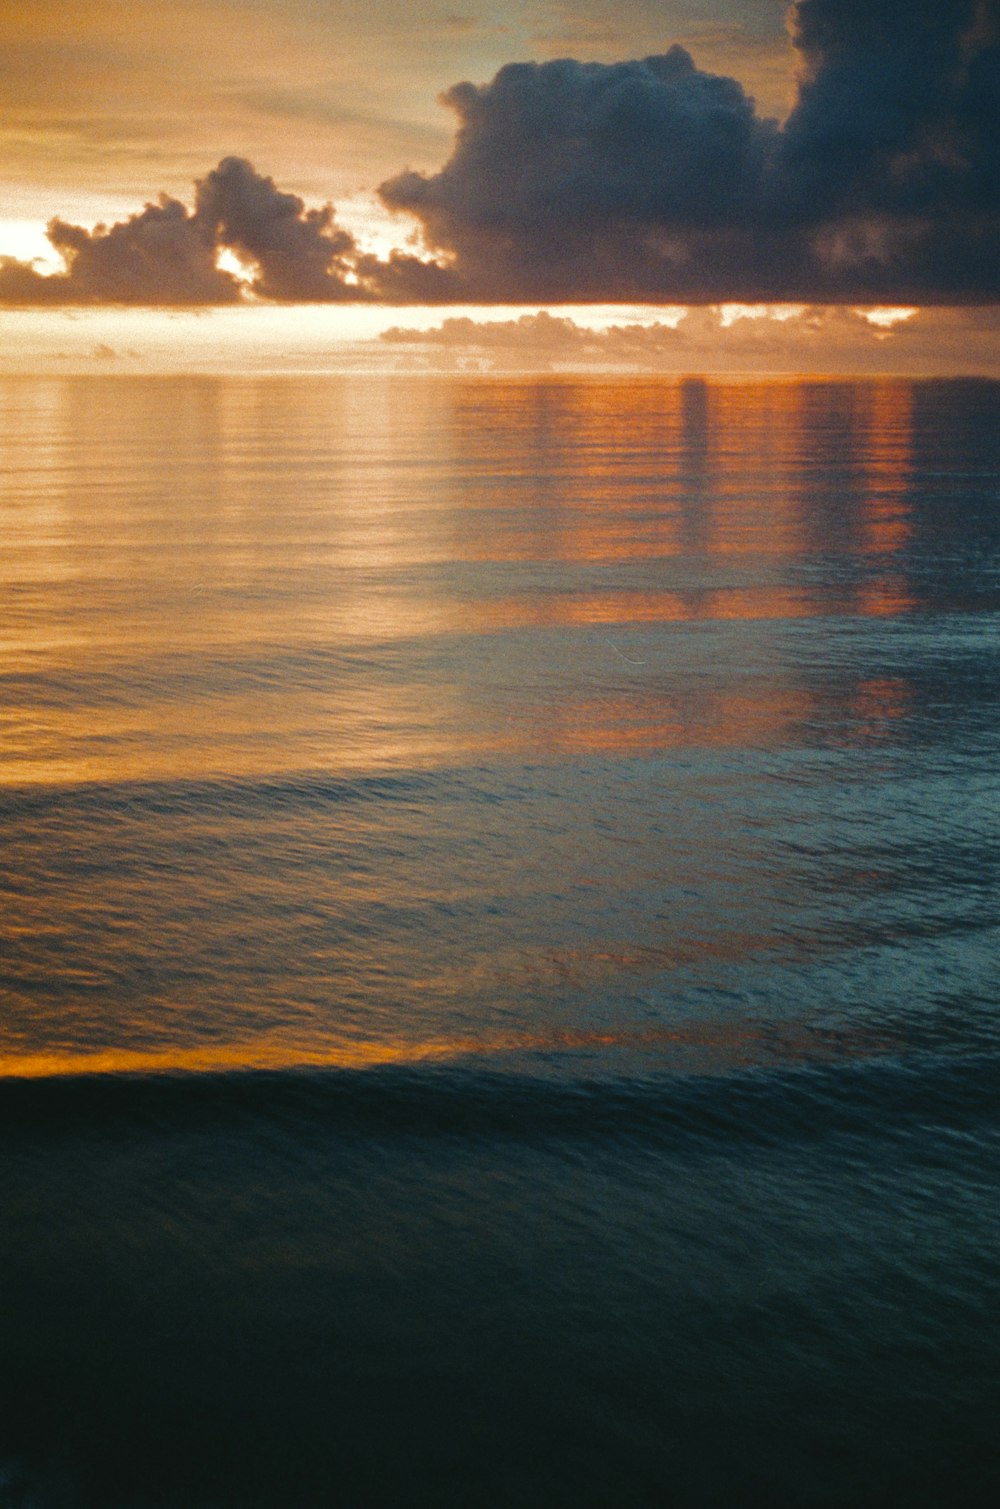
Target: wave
(161, 798)
(918, 1095)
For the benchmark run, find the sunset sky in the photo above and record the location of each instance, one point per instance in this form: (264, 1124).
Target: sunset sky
(826, 157)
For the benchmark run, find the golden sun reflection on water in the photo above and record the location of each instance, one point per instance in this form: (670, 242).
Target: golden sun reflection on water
(313, 695)
(717, 1045)
(177, 552)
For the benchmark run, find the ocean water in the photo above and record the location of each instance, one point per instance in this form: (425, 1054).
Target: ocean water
(498, 943)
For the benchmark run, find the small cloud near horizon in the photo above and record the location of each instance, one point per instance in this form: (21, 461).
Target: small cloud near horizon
(807, 339)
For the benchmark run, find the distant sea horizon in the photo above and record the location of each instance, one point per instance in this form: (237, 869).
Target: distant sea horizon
(605, 341)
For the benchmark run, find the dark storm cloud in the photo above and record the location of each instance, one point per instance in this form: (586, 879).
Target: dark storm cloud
(897, 108)
(597, 134)
(653, 179)
(159, 256)
(20, 284)
(644, 180)
(298, 254)
(166, 255)
(557, 185)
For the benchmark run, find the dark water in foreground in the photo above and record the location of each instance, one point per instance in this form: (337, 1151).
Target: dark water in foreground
(498, 921)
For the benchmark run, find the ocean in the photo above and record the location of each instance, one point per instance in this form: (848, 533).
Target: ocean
(498, 943)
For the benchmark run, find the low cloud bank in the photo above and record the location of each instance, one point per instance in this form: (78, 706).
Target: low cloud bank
(167, 255)
(812, 339)
(648, 180)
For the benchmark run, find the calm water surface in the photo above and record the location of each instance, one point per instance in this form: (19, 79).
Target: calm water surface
(498, 943)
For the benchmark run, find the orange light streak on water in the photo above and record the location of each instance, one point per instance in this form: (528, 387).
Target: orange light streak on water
(726, 1043)
(249, 599)
(168, 564)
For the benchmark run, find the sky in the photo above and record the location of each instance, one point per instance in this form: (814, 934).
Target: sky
(109, 102)
(825, 155)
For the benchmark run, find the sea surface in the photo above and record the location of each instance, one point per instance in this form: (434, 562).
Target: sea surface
(499, 943)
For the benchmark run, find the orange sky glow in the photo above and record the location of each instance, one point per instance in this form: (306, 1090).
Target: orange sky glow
(110, 106)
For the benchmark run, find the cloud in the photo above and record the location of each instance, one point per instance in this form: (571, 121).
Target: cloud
(647, 180)
(557, 186)
(168, 255)
(20, 284)
(896, 109)
(160, 256)
(655, 180)
(811, 339)
(299, 254)
(532, 340)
